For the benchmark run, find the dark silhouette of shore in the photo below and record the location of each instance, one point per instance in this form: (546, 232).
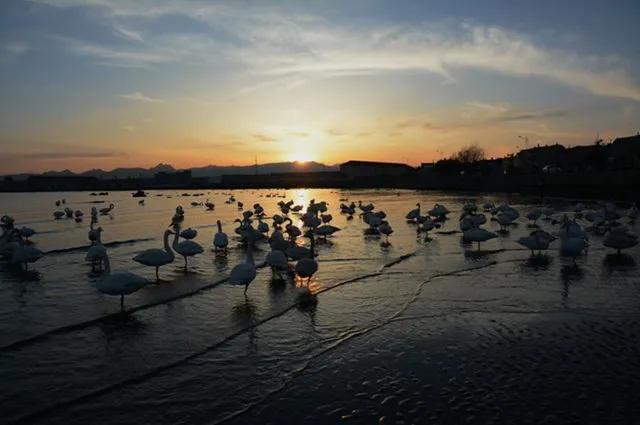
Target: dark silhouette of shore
(599, 170)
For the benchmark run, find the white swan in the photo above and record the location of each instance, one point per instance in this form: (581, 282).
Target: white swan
(96, 252)
(157, 257)
(220, 239)
(119, 282)
(245, 272)
(185, 248)
(210, 205)
(26, 232)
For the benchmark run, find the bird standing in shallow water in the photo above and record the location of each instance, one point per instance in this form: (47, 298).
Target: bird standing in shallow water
(245, 272)
(119, 282)
(157, 257)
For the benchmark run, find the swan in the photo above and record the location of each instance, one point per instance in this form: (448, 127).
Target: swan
(469, 207)
(68, 212)
(25, 254)
(189, 233)
(157, 257)
(386, 230)
(210, 205)
(326, 230)
(438, 211)
(277, 240)
(534, 216)
(572, 246)
(538, 240)
(220, 239)
(620, 238)
(58, 214)
(326, 218)
(413, 215)
(262, 226)
(26, 232)
(105, 211)
(185, 248)
(478, 234)
(307, 266)
(365, 208)
(277, 260)
(119, 282)
(245, 272)
(78, 216)
(97, 251)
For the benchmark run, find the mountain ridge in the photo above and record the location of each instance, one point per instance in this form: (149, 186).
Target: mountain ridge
(203, 171)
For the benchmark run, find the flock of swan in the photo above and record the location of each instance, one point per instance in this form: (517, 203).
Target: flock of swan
(283, 236)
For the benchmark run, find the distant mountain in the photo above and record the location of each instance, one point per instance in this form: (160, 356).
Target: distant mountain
(210, 171)
(275, 167)
(126, 173)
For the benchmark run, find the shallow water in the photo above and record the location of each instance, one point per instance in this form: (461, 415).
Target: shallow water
(445, 335)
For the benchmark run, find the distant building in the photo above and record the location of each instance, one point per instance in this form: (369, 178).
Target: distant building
(50, 183)
(533, 160)
(354, 169)
(177, 178)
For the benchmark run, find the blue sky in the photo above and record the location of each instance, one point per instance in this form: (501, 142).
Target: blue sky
(105, 83)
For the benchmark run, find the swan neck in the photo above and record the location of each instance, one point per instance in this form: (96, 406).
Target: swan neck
(107, 265)
(166, 244)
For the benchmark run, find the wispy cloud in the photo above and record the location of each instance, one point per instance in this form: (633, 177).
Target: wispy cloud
(47, 155)
(13, 49)
(271, 42)
(140, 97)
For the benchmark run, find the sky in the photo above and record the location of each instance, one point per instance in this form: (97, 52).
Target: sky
(116, 83)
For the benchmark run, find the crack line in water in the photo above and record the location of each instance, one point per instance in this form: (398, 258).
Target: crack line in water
(151, 373)
(347, 337)
(82, 247)
(77, 326)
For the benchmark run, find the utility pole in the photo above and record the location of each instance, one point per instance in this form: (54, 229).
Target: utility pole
(256, 165)
(526, 141)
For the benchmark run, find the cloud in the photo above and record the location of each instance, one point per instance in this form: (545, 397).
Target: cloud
(140, 97)
(48, 155)
(265, 137)
(12, 49)
(275, 42)
(127, 33)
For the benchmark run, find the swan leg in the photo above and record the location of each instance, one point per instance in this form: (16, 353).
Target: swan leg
(246, 286)
(157, 276)
(121, 301)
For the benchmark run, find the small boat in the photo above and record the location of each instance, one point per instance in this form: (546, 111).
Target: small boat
(139, 194)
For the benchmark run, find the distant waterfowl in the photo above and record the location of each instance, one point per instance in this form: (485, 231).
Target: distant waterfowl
(220, 239)
(210, 205)
(119, 283)
(105, 211)
(157, 257)
(78, 215)
(58, 214)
